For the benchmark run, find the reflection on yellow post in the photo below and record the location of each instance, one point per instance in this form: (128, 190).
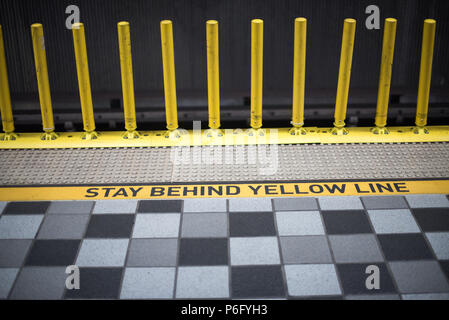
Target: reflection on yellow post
(40, 61)
(5, 98)
(213, 76)
(383, 95)
(126, 68)
(299, 76)
(82, 69)
(344, 75)
(425, 73)
(256, 73)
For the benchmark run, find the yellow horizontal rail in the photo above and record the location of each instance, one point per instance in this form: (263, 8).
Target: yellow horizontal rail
(111, 139)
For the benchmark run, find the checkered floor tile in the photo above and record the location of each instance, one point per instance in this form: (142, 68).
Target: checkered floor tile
(282, 248)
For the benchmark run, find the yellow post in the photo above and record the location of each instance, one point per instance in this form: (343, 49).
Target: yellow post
(40, 60)
(5, 98)
(256, 73)
(168, 64)
(82, 69)
(344, 75)
(126, 68)
(383, 95)
(299, 76)
(425, 73)
(213, 75)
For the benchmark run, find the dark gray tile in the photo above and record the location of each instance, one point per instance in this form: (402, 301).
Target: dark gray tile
(53, 253)
(110, 226)
(27, 207)
(251, 224)
(13, 252)
(39, 283)
(257, 282)
(64, 226)
(445, 267)
(159, 206)
(353, 278)
(384, 202)
(346, 222)
(71, 207)
(152, 253)
(295, 204)
(203, 252)
(97, 283)
(407, 246)
(432, 219)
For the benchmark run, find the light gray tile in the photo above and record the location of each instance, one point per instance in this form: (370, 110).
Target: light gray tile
(419, 277)
(312, 280)
(204, 205)
(355, 248)
(13, 252)
(295, 204)
(7, 277)
(203, 282)
(426, 296)
(250, 204)
(299, 223)
(19, 226)
(427, 200)
(384, 202)
(308, 249)
(40, 283)
(393, 221)
(157, 225)
(198, 225)
(340, 203)
(63, 227)
(373, 297)
(70, 207)
(254, 251)
(152, 253)
(440, 244)
(115, 206)
(2, 206)
(148, 283)
(102, 253)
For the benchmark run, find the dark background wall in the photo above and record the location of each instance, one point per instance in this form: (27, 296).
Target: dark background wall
(325, 25)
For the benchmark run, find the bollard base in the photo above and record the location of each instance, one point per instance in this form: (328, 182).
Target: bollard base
(48, 136)
(256, 132)
(8, 136)
(339, 131)
(297, 131)
(91, 135)
(175, 134)
(421, 130)
(380, 130)
(213, 133)
(131, 135)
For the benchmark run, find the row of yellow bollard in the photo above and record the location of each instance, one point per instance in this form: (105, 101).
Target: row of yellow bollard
(213, 79)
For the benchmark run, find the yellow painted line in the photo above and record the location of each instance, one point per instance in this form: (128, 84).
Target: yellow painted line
(226, 190)
(114, 139)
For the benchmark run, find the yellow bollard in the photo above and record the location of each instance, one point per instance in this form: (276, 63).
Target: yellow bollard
(126, 68)
(425, 73)
(213, 77)
(299, 76)
(40, 60)
(168, 64)
(383, 95)
(344, 75)
(82, 69)
(256, 73)
(5, 98)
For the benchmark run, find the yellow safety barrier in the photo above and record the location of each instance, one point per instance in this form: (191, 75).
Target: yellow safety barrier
(299, 76)
(344, 76)
(82, 69)
(425, 73)
(5, 98)
(126, 68)
(256, 73)
(40, 61)
(383, 95)
(213, 77)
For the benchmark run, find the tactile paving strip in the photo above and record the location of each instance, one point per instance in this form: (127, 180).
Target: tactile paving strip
(224, 163)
